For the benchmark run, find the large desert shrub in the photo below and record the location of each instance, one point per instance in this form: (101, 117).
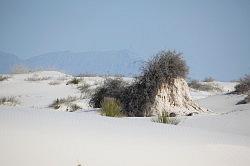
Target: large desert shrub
(112, 88)
(244, 85)
(111, 107)
(139, 97)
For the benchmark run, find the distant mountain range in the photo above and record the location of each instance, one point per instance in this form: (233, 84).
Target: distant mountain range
(122, 62)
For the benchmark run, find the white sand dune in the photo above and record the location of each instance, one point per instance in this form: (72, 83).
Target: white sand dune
(33, 134)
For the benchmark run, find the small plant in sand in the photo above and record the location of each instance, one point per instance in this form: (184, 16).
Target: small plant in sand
(85, 89)
(244, 85)
(9, 101)
(208, 79)
(245, 100)
(164, 117)
(74, 81)
(204, 87)
(36, 77)
(111, 107)
(56, 104)
(2, 78)
(54, 83)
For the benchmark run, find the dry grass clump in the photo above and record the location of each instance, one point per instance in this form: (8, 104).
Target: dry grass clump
(71, 107)
(9, 101)
(244, 85)
(111, 107)
(85, 90)
(204, 87)
(74, 81)
(36, 77)
(54, 83)
(245, 100)
(165, 118)
(2, 78)
(208, 79)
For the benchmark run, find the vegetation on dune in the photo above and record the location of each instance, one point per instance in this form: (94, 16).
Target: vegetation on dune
(56, 104)
(136, 99)
(2, 78)
(245, 100)
(244, 85)
(74, 81)
(111, 107)
(203, 87)
(208, 79)
(9, 101)
(165, 118)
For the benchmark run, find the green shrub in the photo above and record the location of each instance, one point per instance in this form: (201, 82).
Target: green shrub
(111, 107)
(74, 81)
(165, 118)
(112, 88)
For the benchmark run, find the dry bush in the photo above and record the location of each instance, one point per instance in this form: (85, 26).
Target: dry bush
(244, 85)
(36, 77)
(58, 102)
(208, 79)
(2, 78)
(245, 100)
(111, 88)
(70, 107)
(74, 81)
(9, 101)
(203, 87)
(137, 98)
(54, 83)
(165, 118)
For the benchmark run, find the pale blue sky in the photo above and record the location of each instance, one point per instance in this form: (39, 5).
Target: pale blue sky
(214, 35)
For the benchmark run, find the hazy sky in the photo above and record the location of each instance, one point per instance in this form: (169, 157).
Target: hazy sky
(214, 35)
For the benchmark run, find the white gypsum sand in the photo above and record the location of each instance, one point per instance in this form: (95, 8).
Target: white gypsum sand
(31, 133)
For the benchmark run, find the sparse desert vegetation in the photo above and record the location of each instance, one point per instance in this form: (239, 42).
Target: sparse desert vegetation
(111, 107)
(67, 102)
(2, 78)
(12, 101)
(208, 79)
(54, 83)
(36, 77)
(195, 84)
(20, 69)
(245, 100)
(165, 118)
(74, 81)
(244, 85)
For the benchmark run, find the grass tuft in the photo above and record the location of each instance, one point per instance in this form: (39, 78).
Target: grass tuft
(111, 107)
(166, 119)
(8, 101)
